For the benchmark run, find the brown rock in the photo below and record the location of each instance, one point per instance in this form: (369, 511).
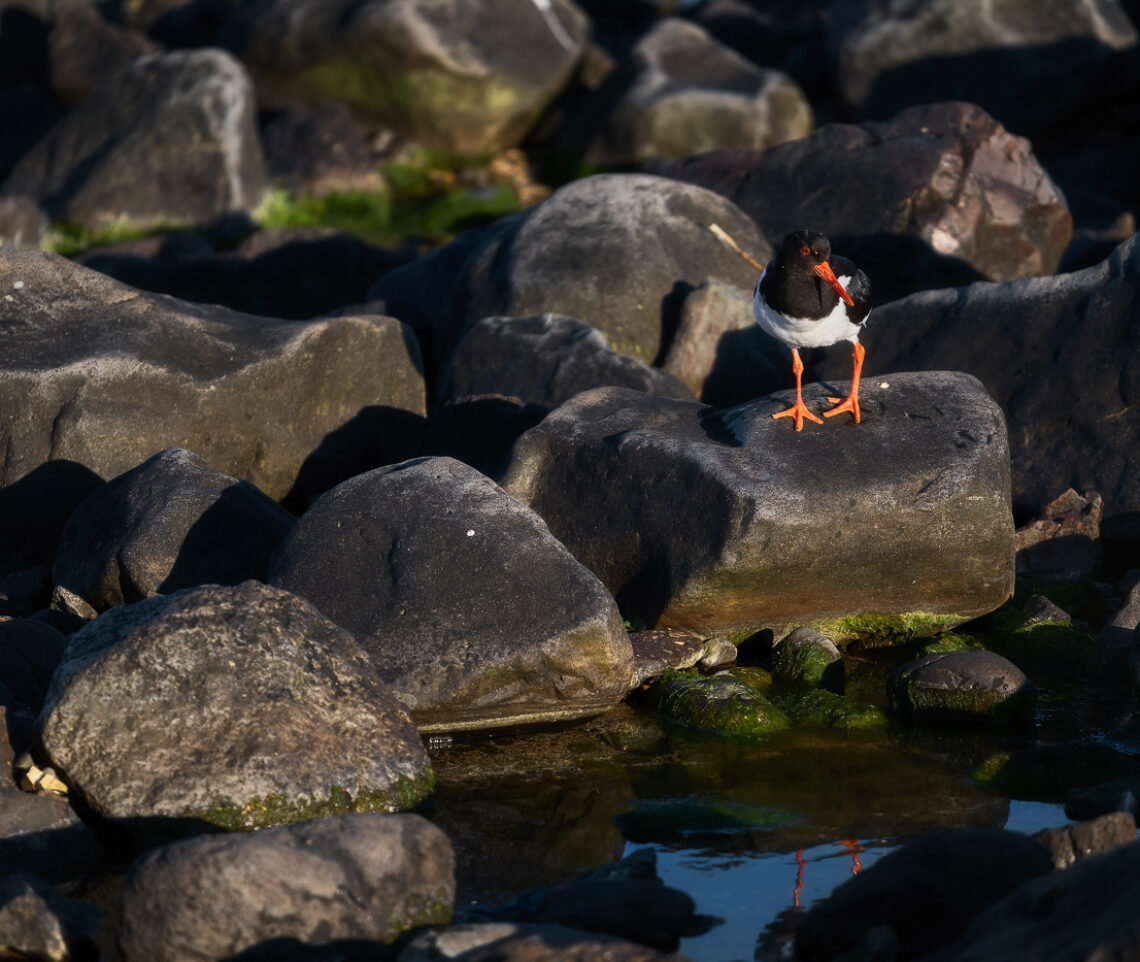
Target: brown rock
(1064, 543)
(1072, 842)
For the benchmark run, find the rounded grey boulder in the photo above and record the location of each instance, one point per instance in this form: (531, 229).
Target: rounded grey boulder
(353, 877)
(463, 599)
(236, 706)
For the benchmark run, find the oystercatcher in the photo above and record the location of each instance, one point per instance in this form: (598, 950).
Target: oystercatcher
(807, 298)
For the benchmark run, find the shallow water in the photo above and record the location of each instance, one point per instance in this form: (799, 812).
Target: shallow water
(747, 830)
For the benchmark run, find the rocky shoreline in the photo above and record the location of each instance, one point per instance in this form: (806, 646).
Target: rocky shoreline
(297, 529)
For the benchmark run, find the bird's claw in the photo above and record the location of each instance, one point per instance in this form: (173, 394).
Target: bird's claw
(797, 412)
(849, 403)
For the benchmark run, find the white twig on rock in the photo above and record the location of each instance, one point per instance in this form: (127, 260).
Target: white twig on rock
(555, 25)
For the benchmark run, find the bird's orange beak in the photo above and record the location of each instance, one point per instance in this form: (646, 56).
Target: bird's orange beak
(824, 270)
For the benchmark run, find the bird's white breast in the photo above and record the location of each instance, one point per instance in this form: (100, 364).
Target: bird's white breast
(805, 331)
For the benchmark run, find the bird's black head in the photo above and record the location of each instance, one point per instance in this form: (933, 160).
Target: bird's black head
(807, 247)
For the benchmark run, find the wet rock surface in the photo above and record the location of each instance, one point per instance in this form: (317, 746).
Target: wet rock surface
(962, 687)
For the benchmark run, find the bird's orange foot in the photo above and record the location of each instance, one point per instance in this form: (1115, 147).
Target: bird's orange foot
(849, 403)
(797, 412)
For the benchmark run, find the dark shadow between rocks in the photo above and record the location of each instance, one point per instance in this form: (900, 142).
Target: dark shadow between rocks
(748, 364)
(55, 854)
(206, 555)
(24, 54)
(34, 510)
(984, 78)
(900, 264)
(375, 436)
(671, 305)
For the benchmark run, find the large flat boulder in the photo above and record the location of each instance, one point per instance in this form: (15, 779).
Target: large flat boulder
(97, 373)
(720, 519)
(465, 602)
(237, 707)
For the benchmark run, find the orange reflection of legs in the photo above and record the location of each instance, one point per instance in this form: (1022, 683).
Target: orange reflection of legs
(799, 887)
(852, 845)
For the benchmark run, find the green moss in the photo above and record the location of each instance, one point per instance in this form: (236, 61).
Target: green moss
(875, 630)
(990, 768)
(71, 239)
(274, 809)
(819, 708)
(719, 704)
(416, 911)
(948, 641)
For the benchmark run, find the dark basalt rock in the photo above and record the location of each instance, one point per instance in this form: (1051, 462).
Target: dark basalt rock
(721, 519)
(939, 195)
(546, 359)
(171, 523)
(171, 136)
(464, 601)
(353, 881)
(977, 688)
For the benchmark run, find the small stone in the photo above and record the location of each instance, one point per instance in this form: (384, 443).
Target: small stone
(717, 652)
(1072, 842)
(51, 782)
(805, 657)
(962, 687)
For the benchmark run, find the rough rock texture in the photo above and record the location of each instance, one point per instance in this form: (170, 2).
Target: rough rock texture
(1063, 545)
(469, 76)
(617, 251)
(97, 374)
(463, 599)
(720, 704)
(962, 687)
(712, 519)
(353, 878)
(1087, 911)
(961, 871)
(173, 522)
(172, 136)
(1071, 843)
(1031, 70)
(513, 942)
(941, 194)
(1057, 353)
(685, 93)
(545, 359)
(238, 706)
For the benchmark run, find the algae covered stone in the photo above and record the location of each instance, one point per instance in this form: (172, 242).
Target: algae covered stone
(719, 704)
(805, 657)
(236, 706)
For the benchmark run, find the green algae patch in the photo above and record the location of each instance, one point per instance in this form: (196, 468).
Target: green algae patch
(274, 809)
(720, 705)
(948, 641)
(875, 630)
(819, 708)
(417, 910)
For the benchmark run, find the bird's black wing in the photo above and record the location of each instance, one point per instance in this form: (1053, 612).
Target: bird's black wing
(858, 288)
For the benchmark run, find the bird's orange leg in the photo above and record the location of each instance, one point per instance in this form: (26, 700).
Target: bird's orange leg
(798, 411)
(851, 402)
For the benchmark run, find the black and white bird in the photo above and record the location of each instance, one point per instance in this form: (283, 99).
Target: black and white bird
(807, 298)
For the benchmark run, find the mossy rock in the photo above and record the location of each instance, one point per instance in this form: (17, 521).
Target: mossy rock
(819, 708)
(1049, 648)
(877, 630)
(805, 657)
(948, 641)
(273, 810)
(718, 704)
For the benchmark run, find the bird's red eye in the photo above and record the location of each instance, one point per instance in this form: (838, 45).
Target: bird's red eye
(805, 250)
